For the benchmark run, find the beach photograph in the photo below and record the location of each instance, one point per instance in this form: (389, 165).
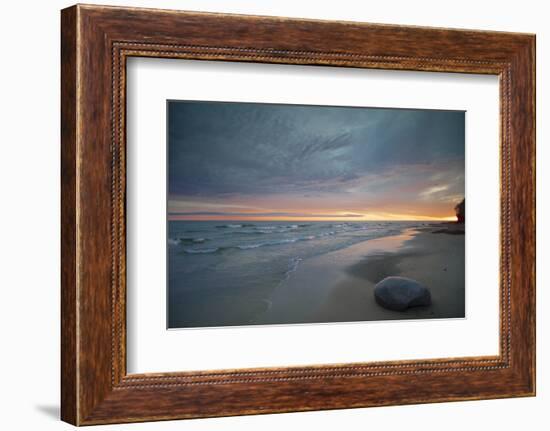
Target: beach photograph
(283, 214)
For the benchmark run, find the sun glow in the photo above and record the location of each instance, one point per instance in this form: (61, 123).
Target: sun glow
(373, 216)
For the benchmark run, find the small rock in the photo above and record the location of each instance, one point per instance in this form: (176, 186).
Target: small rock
(400, 293)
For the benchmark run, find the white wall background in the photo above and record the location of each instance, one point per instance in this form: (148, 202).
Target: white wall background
(29, 215)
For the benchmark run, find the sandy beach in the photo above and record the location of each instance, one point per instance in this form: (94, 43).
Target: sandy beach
(338, 286)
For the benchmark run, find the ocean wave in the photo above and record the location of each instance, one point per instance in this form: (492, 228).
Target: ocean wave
(277, 242)
(248, 232)
(186, 240)
(281, 227)
(268, 243)
(251, 229)
(193, 240)
(292, 266)
(248, 246)
(235, 225)
(202, 250)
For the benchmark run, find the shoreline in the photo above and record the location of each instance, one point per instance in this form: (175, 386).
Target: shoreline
(338, 286)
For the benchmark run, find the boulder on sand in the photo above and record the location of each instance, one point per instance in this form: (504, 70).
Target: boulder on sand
(400, 293)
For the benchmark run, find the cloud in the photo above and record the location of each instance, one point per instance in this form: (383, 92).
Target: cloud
(222, 153)
(258, 214)
(429, 192)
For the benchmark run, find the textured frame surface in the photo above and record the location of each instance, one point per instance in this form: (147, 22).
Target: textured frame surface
(96, 41)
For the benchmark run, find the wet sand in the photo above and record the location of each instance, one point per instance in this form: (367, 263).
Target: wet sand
(338, 286)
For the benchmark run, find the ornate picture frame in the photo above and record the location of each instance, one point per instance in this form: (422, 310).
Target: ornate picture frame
(96, 41)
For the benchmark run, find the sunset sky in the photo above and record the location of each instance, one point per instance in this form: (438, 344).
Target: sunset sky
(246, 161)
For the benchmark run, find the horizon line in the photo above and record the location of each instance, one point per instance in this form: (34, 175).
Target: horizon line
(427, 219)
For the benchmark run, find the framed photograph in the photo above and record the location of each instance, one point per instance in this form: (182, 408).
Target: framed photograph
(264, 214)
